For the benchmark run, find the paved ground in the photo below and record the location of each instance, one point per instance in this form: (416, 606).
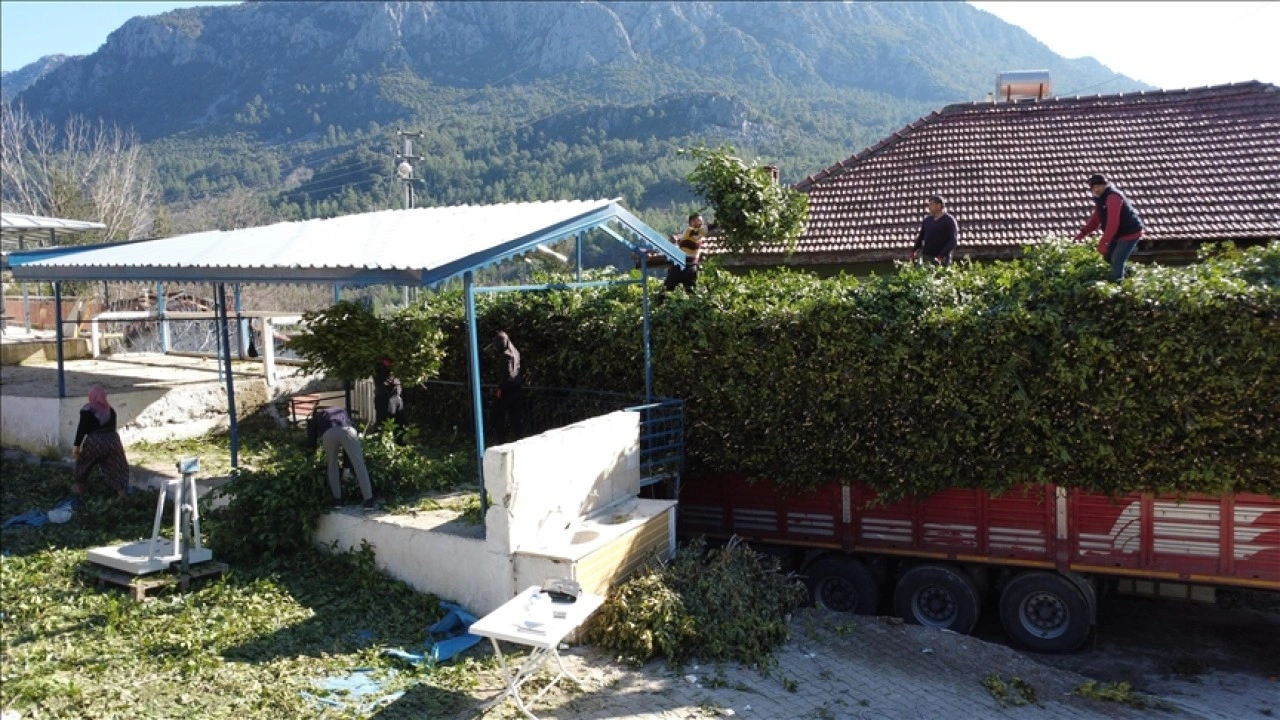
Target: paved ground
(839, 667)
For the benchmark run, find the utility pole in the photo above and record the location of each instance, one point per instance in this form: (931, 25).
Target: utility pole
(404, 171)
(404, 164)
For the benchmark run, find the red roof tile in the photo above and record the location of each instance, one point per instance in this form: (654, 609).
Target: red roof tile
(1199, 165)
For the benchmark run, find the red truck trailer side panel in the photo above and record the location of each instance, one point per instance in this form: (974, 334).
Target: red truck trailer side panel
(1193, 537)
(1232, 539)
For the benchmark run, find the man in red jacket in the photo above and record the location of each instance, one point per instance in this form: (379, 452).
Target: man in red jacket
(1120, 223)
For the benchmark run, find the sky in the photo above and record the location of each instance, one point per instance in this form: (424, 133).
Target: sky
(1166, 44)
(1169, 45)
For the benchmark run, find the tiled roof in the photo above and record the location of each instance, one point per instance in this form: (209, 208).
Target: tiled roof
(1199, 165)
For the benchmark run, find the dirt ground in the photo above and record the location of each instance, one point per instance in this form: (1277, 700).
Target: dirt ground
(839, 667)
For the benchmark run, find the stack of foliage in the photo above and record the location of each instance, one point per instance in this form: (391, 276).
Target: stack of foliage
(986, 376)
(724, 604)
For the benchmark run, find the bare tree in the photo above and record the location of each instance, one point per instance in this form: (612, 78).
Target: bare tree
(81, 172)
(239, 208)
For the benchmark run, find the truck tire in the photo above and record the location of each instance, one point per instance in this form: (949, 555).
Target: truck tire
(1045, 612)
(842, 584)
(938, 596)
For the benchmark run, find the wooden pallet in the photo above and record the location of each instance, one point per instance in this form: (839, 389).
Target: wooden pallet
(139, 585)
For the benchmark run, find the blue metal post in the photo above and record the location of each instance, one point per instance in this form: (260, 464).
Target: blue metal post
(577, 244)
(337, 293)
(220, 298)
(648, 360)
(218, 311)
(161, 302)
(473, 346)
(57, 325)
(242, 330)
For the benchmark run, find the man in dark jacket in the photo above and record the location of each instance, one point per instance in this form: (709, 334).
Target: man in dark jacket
(333, 428)
(509, 412)
(387, 396)
(938, 236)
(1120, 223)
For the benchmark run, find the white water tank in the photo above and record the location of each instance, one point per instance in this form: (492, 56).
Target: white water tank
(1022, 85)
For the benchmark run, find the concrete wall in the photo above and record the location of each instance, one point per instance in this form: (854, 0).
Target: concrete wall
(42, 351)
(542, 484)
(154, 413)
(34, 423)
(539, 486)
(469, 571)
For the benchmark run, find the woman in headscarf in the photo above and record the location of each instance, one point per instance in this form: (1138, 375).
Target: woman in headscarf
(98, 444)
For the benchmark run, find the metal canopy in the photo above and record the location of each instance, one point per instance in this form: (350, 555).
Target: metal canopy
(15, 227)
(401, 247)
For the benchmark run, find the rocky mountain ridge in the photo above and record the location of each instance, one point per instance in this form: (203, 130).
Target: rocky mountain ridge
(186, 68)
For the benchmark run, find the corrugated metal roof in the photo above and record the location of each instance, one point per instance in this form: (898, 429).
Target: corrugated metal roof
(18, 231)
(13, 224)
(420, 246)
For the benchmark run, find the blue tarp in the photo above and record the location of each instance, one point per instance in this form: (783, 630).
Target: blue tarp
(348, 691)
(447, 638)
(36, 518)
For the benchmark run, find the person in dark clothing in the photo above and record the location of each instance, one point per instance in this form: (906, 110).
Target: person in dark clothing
(387, 396)
(938, 236)
(97, 444)
(509, 410)
(333, 428)
(1121, 226)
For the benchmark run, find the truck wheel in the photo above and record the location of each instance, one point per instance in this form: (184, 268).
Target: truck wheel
(938, 596)
(1044, 612)
(843, 584)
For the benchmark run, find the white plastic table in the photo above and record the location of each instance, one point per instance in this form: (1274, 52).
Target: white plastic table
(525, 621)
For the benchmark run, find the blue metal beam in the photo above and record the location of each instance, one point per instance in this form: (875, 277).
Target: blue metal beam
(161, 303)
(57, 335)
(656, 241)
(220, 297)
(553, 286)
(272, 275)
(526, 243)
(242, 325)
(648, 358)
(473, 347)
(577, 244)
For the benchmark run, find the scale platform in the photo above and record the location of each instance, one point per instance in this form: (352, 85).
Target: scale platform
(137, 558)
(158, 553)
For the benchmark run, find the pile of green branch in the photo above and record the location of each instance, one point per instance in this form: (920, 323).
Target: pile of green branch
(726, 603)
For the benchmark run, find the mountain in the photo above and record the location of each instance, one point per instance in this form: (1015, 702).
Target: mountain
(15, 81)
(526, 100)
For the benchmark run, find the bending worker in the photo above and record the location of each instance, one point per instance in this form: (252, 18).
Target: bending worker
(333, 428)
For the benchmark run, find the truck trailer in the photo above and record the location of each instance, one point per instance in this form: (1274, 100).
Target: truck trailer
(1045, 551)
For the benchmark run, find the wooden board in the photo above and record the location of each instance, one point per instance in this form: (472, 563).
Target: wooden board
(139, 585)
